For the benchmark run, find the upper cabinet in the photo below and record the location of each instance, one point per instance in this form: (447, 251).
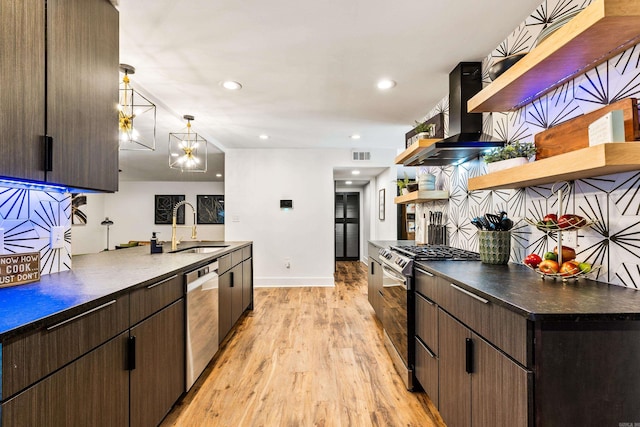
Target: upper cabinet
(601, 31)
(60, 78)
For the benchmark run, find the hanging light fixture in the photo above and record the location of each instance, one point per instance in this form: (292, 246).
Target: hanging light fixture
(135, 108)
(187, 149)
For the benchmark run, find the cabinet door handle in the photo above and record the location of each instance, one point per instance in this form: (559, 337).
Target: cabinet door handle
(48, 153)
(380, 293)
(131, 359)
(153, 285)
(469, 355)
(427, 300)
(71, 319)
(372, 268)
(424, 346)
(471, 294)
(231, 279)
(419, 270)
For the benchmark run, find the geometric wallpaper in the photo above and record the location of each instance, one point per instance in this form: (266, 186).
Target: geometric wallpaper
(26, 219)
(613, 201)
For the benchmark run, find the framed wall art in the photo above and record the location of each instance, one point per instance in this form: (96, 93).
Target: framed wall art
(381, 204)
(210, 209)
(164, 209)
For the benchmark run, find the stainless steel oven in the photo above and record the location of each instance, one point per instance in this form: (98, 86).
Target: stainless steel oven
(397, 312)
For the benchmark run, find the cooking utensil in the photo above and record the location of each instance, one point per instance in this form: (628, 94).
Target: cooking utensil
(476, 221)
(494, 220)
(506, 224)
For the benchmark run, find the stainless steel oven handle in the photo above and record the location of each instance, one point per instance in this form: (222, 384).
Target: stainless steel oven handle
(471, 294)
(392, 275)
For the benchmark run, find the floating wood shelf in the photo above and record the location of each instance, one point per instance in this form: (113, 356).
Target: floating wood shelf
(588, 162)
(412, 153)
(602, 30)
(421, 196)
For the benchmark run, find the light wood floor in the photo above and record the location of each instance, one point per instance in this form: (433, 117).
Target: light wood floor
(305, 357)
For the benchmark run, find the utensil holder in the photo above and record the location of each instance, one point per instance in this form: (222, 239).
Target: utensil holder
(494, 246)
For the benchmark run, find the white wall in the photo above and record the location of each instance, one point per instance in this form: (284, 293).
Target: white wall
(255, 182)
(386, 229)
(132, 211)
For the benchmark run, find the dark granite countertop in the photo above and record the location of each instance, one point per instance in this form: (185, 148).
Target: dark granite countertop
(518, 288)
(95, 278)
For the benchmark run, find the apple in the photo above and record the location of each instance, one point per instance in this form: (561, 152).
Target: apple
(571, 221)
(550, 255)
(533, 260)
(567, 253)
(585, 267)
(549, 266)
(569, 268)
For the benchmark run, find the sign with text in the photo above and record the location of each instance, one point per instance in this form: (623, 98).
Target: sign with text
(18, 269)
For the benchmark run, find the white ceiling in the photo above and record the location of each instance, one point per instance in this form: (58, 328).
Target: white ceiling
(308, 69)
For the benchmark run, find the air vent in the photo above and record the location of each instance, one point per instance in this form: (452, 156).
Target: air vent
(360, 155)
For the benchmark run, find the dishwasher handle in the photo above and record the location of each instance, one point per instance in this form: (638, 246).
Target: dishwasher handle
(208, 273)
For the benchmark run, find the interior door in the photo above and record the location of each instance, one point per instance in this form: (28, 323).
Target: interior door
(347, 226)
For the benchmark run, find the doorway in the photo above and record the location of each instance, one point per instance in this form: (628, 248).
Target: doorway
(347, 226)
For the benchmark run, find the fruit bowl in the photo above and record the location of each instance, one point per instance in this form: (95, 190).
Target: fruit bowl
(542, 226)
(564, 277)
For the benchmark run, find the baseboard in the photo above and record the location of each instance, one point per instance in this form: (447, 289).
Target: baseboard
(293, 282)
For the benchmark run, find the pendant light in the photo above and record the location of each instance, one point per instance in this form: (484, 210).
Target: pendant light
(187, 149)
(137, 116)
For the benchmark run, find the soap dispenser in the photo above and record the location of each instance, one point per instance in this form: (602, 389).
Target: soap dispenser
(155, 247)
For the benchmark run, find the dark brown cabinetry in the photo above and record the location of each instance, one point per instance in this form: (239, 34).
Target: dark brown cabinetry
(479, 386)
(374, 284)
(69, 96)
(157, 380)
(92, 391)
(235, 288)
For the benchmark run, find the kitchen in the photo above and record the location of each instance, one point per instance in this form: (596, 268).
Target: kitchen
(306, 177)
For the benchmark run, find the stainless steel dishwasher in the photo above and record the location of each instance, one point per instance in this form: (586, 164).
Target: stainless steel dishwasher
(202, 320)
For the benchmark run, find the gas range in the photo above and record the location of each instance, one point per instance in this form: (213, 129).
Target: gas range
(401, 258)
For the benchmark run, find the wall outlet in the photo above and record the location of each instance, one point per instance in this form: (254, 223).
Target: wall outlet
(287, 262)
(57, 237)
(235, 218)
(570, 238)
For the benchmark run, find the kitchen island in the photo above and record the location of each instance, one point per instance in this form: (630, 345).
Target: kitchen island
(497, 345)
(104, 344)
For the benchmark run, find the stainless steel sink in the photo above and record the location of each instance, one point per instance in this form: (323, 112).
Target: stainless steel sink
(200, 250)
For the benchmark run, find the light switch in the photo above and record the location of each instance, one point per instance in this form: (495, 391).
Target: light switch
(57, 237)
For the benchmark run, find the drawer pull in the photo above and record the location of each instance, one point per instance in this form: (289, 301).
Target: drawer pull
(471, 294)
(161, 282)
(424, 346)
(64, 322)
(424, 272)
(469, 355)
(427, 300)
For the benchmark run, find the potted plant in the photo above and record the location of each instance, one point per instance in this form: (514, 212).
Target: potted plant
(406, 186)
(513, 154)
(423, 131)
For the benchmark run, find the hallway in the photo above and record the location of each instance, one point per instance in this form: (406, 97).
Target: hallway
(305, 357)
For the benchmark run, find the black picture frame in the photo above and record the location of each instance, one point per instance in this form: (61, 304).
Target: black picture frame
(210, 209)
(164, 204)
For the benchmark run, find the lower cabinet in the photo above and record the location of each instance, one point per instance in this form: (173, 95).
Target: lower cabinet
(157, 375)
(479, 386)
(235, 290)
(374, 288)
(92, 391)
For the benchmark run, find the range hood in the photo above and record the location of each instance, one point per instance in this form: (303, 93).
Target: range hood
(467, 140)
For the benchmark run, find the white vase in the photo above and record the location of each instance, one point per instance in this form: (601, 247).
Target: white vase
(506, 164)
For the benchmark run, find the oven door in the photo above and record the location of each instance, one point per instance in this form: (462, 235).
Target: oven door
(395, 319)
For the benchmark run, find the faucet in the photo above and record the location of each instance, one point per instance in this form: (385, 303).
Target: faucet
(174, 226)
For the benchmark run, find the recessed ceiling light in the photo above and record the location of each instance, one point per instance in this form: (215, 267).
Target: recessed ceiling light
(263, 136)
(355, 136)
(355, 172)
(348, 182)
(231, 85)
(218, 175)
(385, 84)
